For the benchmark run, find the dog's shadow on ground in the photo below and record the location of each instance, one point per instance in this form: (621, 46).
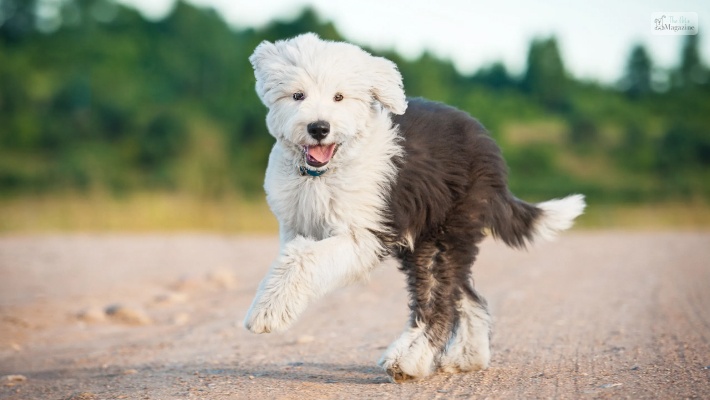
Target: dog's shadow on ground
(127, 378)
(306, 372)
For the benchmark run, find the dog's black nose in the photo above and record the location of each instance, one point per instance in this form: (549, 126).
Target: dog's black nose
(319, 129)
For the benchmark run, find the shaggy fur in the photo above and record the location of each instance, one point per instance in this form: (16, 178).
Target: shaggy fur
(358, 173)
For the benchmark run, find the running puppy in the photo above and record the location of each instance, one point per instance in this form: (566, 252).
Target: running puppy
(359, 173)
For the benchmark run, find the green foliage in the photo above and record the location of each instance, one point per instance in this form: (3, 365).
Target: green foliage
(18, 19)
(684, 147)
(94, 97)
(637, 81)
(691, 73)
(545, 78)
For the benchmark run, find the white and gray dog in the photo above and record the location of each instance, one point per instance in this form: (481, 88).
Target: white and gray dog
(359, 173)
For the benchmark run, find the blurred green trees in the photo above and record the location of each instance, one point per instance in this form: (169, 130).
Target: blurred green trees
(545, 79)
(637, 80)
(94, 97)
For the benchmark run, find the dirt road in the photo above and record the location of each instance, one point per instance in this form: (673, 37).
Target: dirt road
(593, 315)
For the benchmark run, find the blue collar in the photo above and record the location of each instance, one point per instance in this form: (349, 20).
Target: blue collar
(306, 171)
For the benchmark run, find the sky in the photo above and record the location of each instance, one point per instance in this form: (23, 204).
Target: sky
(595, 37)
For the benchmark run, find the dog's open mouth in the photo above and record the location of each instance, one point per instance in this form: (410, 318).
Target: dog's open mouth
(319, 155)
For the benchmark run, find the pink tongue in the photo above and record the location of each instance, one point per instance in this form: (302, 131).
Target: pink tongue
(321, 153)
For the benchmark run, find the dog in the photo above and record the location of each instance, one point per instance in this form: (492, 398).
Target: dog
(359, 173)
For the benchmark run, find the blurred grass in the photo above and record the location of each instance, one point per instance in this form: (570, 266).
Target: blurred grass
(651, 216)
(146, 212)
(169, 212)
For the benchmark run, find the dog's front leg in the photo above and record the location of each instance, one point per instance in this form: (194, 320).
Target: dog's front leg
(305, 270)
(284, 292)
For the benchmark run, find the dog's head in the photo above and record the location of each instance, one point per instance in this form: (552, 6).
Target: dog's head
(321, 94)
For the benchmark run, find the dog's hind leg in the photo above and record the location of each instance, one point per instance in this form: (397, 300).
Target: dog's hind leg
(468, 348)
(435, 271)
(415, 353)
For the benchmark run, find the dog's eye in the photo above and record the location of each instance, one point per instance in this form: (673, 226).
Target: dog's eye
(299, 96)
(338, 97)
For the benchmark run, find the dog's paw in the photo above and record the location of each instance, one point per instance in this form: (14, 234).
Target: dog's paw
(258, 320)
(468, 349)
(467, 353)
(266, 318)
(396, 374)
(455, 360)
(410, 357)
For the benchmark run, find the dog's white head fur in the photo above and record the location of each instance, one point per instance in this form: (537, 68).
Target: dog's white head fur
(305, 80)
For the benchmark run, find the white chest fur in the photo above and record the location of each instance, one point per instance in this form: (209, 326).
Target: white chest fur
(350, 197)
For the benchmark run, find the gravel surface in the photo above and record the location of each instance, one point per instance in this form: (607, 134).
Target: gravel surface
(593, 315)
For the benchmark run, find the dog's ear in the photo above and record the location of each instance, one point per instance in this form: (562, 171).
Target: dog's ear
(387, 85)
(263, 60)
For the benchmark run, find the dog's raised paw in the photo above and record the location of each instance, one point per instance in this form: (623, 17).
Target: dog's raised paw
(256, 321)
(265, 319)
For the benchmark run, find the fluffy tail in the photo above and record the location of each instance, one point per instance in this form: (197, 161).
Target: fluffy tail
(519, 223)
